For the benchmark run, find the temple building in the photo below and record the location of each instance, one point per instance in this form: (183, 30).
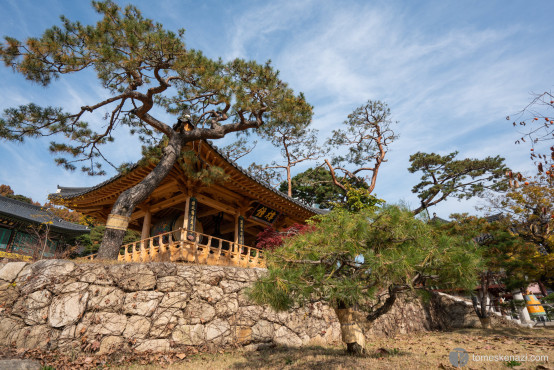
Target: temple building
(30, 230)
(189, 220)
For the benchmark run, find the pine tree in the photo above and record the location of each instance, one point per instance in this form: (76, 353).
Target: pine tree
(444, 177)
(365, 259)
(147, 72)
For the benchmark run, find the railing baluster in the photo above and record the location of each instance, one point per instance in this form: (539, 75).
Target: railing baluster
(217, 255)
(191, 250)
(142, 252)
(255, 260)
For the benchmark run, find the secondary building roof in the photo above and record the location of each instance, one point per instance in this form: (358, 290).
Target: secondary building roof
(18, 211)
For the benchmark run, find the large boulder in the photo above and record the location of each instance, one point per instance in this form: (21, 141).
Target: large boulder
(189, 335)
(218, 332)
(105, 298)
(227, 306)
(40, 336)
(154, 345)
(209, 293)
(53, 268)
(263, 331)
(249, 315)
(67, 309)
(133, 277)
(286, 337)
(38, 299)
(142, 303)
(10, 271)
(137, 327)
(198, 312)
(110, 344)
(69, 286)
(164, 321)
(8, 295)
(94, 274)
(174, 284)
(102, 323)
(175, 300)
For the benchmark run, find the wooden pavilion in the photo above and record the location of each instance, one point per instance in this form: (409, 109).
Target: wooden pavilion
(186, 220)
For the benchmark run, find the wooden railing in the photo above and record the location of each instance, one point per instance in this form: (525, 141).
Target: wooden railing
(193, 247)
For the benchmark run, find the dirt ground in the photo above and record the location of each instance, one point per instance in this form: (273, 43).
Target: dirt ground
(415, 351)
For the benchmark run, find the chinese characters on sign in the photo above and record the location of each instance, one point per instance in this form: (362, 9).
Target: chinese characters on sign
(265, 214)
(241, 230)
(192, 218)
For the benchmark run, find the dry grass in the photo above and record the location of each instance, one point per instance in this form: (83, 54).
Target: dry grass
(415, 351)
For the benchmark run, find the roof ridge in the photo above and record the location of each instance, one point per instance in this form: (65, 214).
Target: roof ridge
(36, 214)
(20, 202)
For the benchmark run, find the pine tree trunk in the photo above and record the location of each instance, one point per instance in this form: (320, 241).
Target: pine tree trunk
(351, 332)
(485, 322)
(130, 198)
(289, 182)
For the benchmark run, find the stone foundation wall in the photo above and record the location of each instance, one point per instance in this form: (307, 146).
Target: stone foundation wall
(58, 304)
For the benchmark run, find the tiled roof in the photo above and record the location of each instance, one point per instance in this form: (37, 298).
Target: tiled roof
(68, 193)
(22, 211)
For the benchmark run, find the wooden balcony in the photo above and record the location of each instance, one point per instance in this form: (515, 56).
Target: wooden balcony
(190, 246)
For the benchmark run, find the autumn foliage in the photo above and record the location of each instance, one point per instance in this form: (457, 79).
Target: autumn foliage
(270, 239)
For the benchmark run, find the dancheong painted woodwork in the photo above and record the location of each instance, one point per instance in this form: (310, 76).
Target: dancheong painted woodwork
(186, 220)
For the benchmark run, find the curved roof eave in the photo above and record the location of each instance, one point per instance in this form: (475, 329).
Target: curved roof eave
(72, 192)
(31, 213)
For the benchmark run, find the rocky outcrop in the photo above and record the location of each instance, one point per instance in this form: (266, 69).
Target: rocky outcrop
(162, 306)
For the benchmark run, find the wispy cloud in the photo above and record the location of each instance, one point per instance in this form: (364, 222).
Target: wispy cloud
(449, 72)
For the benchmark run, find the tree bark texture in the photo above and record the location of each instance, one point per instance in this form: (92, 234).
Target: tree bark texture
(484, 292)
(480, 304)
(385, 307)
(485, 322)
(289, 182)
(130, 198)
(351, 332)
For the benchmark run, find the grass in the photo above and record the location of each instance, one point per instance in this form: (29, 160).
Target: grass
(415, 351)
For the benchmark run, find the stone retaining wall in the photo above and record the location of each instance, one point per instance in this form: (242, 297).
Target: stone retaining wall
(161, 306)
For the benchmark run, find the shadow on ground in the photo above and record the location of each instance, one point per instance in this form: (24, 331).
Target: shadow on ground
(313, 357)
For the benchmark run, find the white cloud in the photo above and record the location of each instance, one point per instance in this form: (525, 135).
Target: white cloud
(449, 83)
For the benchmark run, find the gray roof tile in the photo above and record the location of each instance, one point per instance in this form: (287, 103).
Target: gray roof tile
(35, 214)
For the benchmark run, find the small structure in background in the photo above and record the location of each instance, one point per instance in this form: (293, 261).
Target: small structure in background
(33, 231)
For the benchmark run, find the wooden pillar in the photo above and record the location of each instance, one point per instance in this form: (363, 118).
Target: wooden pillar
(189, 222)
(186, 218)
(236, 229)
(239, 229)
(146, 223)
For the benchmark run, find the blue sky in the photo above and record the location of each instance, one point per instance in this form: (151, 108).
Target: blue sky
(451, 71)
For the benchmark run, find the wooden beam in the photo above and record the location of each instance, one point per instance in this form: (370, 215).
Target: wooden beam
(161, 205)
(92, 209)
(208, 212)
(251, 232)
(215, 204)
(256, 222)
